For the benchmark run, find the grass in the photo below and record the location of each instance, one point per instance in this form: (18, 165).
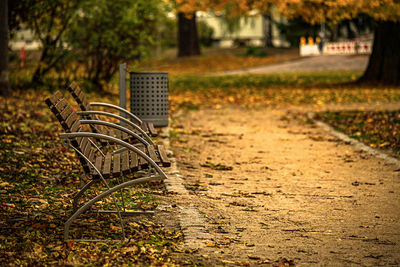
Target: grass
(283, 89)
(379, 129)
(182, 83)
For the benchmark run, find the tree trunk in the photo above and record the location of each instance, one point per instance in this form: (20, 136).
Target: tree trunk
(350, 32)
(4, 82)
(37, 77)
(384, 62)
(267, 29)
(335, 33)
(188, 40)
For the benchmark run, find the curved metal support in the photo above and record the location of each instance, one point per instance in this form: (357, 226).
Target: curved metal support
(98, 149)
(79, 194)
(105, 182)
(119, 127)
(90, 163)
(100, 104)
(101, 196)
(119, 142)
(137, 127)
(122, 193)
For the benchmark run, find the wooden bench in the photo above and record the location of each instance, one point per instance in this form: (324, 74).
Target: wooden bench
(141, 156)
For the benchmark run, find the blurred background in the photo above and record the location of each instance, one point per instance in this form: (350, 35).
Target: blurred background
(53, 42)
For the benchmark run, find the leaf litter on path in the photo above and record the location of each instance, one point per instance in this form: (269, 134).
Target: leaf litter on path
(37, 182)
(216, 166)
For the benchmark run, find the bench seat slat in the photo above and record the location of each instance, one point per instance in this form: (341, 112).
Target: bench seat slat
(153, 155)
(116, 164)
(83, 143)
(133, 158)
(87, 149)
(125, 162)
(152, 130)
(141, 161)
(107, 166)
(163, 155)
(91, 155)
(98, 165)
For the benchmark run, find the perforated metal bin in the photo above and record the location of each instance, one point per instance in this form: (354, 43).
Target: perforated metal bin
(149, 96)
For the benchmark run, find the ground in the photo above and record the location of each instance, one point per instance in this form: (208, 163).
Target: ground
(316, 63)
(270, 187)
(253, 182)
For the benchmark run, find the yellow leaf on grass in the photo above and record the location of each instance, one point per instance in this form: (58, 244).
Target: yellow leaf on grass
(384, 144)
(4, 184)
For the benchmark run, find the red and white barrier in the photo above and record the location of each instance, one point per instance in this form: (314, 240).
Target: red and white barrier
(360, 45)
(339, 48)
(352, 47)
(365, 47)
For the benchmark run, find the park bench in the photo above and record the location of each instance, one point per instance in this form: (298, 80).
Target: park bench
(140, 160)
(88, 111)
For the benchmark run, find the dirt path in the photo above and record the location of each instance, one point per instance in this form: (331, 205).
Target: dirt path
(316, 63)
(293, 192)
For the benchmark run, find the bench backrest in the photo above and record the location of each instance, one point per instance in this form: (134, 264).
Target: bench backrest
(69, 120)
(79, 96)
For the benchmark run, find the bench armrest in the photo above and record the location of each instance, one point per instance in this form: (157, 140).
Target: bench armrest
(118, 127)
(131, 115)
(107, 114)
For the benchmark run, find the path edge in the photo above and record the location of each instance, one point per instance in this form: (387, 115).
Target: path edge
(191, 222)
(348, 140)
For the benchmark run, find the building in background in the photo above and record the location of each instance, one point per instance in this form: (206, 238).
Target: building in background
(24, 38)
(250, 30)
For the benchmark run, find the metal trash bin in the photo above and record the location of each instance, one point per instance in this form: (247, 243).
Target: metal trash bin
(149, 96)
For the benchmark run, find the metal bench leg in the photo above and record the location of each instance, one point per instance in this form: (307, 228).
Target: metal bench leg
(86, 206)
(79, 194)
(122, 194)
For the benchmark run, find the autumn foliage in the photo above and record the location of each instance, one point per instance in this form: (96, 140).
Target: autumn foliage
(316, 11)
(313, 11)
